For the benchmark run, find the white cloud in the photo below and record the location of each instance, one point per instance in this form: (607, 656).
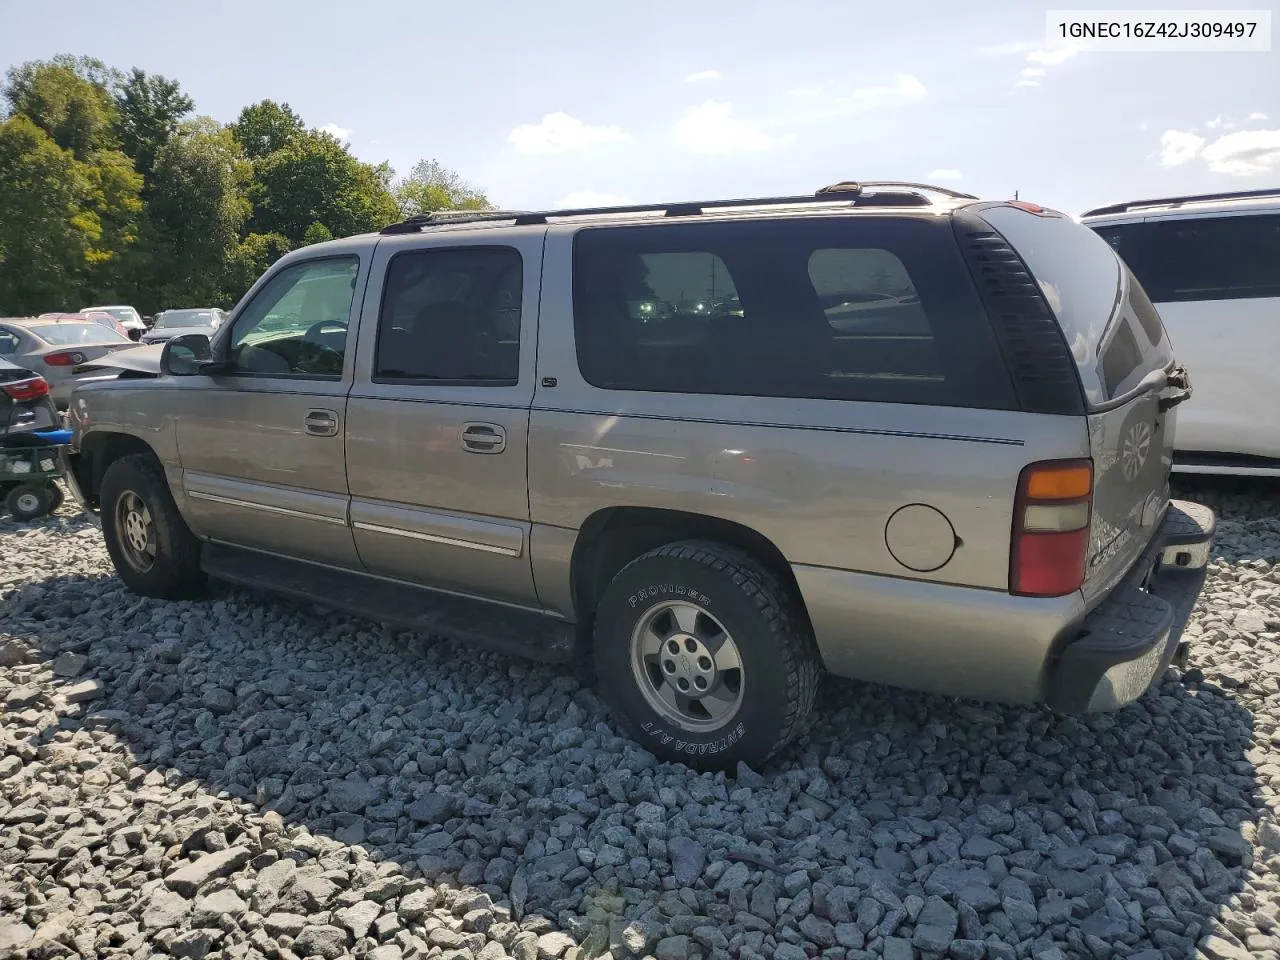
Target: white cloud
(1244, 153)
(1143, 127)
(1221, 122)
(1054, 56)
(340, 133)
(1258, 116)
(1008, 48)
(1178, 147)
(559, 132)
(702, 75)
(1026, 83)
(943, 174)
(711, 128)
(1033, 72)
(826, 103)
(591, 198)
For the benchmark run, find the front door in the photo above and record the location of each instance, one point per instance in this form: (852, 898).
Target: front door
(261, 446)
(438, 419)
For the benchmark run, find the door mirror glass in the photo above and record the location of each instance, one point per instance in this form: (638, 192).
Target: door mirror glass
(183, 356)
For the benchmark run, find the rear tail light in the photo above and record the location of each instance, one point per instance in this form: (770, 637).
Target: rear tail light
(67, 358)
(23, 390)
(1051, 518)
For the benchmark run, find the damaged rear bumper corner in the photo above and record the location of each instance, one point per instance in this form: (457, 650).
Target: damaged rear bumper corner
(1129, 640)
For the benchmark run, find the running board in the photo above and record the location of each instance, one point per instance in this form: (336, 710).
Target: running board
(503, 629)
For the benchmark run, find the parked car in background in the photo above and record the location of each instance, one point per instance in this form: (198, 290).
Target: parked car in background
(128, 317)
(968, 494)
(25, 404)
(94, 316)
(58, 347)
(173, 323)
(1211, 265)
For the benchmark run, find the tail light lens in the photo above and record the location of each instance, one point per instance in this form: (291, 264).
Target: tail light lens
(1051, 518)
(67, 358)
(23, 390)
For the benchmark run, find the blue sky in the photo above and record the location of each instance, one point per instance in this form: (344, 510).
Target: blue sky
(582, 100)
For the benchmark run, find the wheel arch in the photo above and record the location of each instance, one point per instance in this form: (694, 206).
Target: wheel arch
(100, 449)
(611, 538)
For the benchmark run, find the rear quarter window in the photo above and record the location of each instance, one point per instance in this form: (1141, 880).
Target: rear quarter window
(1112, 330)
(868, 308)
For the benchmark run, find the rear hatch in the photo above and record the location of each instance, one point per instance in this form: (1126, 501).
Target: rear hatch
(1126, 366)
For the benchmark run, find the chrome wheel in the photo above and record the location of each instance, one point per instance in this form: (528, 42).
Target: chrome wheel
(687, 666)
(137, 531)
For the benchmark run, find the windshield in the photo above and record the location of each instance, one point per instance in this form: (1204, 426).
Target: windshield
(69, 334)
(185, 318)
(123, 314)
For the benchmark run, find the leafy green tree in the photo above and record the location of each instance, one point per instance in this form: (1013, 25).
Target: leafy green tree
(315, 179)
(149, 108)
(432, 186)
(195, 211)
(265, 127)
(44, 232)
(68, 98)
(316, 233)
(250, 260)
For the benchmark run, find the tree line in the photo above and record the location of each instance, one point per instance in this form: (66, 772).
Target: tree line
(112, 190)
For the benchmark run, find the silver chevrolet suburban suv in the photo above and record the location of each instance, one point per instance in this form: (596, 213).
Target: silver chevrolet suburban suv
(705, 450)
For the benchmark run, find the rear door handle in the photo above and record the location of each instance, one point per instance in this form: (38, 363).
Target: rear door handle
(321, 423)
(483, 438)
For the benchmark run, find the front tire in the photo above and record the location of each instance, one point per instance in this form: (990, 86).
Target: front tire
(705, 656)
(153, 550)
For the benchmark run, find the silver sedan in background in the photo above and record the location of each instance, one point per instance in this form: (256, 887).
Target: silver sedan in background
(58, 348)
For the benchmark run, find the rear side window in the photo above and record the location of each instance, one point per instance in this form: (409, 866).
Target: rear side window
(865, 308)
(1202, 258)
(1113, 332)
(451, 315)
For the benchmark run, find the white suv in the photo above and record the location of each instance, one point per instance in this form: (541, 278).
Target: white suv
(1211, 265)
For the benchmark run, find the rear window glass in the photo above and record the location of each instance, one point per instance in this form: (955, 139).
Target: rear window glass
(1202, 258)
(865, 308)
(1113, 332)
(69, 334)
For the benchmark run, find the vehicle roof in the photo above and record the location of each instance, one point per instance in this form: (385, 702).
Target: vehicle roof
(59, 317)
(904, 198)
(110, 306)
(1241, 201)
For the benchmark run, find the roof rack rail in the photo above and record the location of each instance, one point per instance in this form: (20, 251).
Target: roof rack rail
(1179, 201)
(844, 185)
(850, 191)
(440, 217)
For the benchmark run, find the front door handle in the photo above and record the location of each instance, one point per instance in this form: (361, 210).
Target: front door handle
(483, 438)
(321, 423)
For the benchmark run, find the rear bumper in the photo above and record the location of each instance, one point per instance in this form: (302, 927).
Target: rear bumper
(1126, 642)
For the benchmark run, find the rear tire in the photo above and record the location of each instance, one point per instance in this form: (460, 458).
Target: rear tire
(28, 501)
(153, 550)
(705, 656)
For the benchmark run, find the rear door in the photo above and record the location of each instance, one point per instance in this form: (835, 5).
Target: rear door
(438, 418)
(1120, 348)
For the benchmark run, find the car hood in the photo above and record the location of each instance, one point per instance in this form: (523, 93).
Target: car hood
(166, 333)
(143, 359)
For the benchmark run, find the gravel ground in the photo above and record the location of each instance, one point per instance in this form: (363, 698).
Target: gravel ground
(243, 778)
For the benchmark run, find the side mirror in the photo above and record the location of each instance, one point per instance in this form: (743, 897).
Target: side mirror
(184, 356)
